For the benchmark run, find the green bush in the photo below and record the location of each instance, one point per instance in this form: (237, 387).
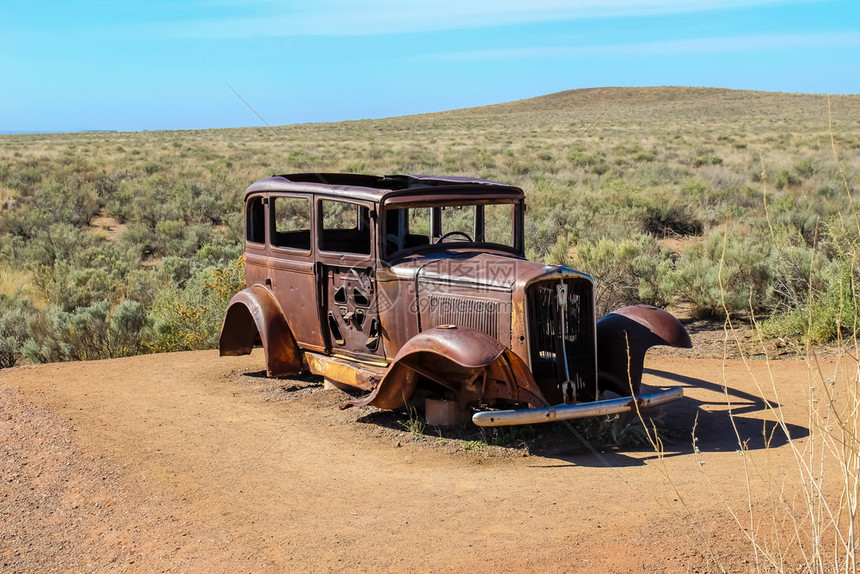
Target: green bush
(189, 318)
(668, 216)
(13, 329)
(628, 271)
(728, 272)
(831, 312)
(92, 332)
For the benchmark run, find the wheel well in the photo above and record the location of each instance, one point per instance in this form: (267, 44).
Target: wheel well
(239, 333)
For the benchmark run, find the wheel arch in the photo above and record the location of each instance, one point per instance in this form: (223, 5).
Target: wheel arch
(253, 316)
(623, 338)
(451, 357)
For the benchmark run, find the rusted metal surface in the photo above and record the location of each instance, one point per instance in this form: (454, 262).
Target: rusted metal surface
(419, 284)
(254, 314)
(623, 338)
(343, 371)
(469, 363)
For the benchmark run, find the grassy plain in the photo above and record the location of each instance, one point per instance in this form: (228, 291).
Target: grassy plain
(731, 203)
(734, 202)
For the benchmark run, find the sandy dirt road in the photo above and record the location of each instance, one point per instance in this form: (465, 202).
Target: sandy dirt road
(191, 462)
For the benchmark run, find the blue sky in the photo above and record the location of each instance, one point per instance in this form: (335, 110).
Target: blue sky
(112, 65)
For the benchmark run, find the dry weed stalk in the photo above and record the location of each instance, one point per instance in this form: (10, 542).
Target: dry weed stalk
(812, 517)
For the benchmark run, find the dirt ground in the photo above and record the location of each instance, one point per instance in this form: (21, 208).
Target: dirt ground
(191, 462)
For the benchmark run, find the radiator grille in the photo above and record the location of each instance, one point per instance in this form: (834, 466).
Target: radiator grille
(480, 314)
(546, 339)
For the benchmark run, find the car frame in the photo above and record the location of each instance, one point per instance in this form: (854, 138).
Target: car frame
(416, 289)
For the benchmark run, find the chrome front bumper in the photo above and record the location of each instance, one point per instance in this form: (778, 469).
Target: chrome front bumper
(576, 411)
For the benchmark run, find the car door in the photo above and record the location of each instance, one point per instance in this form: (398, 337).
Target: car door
(347, 269)
(292, 273)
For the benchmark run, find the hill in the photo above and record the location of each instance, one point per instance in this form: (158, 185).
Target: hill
(732, 207)
(709, 200)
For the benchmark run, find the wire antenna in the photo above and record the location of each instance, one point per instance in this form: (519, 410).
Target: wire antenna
(280, 137)
(291, 148)
(579, 137)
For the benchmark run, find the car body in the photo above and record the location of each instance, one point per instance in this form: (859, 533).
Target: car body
(417, 287)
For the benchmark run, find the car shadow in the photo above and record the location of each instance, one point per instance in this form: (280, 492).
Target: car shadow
(303, 377)
(684, 427)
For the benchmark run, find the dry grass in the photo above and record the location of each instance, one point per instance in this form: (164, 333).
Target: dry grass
(657, 179)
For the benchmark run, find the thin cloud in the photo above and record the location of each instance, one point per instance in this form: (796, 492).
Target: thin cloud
(378, 17)
(691, 46)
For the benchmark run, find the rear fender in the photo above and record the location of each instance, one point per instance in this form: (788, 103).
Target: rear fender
(254, 315)
(468, 362)
(623, 338)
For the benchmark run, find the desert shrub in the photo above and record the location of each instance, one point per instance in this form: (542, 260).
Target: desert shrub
(170, 235)
(23, 221)
(646, 156)
(175, 238)
(799, 272)
(69, 201)
(707, 160)
(205, 208)
(805, 168)
(177, 269)
(129, 329)
(24, 179)
(670, 216)
(45, 343)
(578, 157)
(13, 329)
(46, 247)
(96, 331)
(196, 237)
(829, 313)
(190, 318)
(141, 285)
(626, 271)
(119, 203)
(540, 237)
(151, 206)
(69, 288)
(115, 258)
(731, 269)
(232, 229)
(152, 167)
(785, 179)
(80, 277)
(219, 252)
(139, 236)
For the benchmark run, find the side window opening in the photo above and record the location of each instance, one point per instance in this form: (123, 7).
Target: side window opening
(255, 224)
(345, 227)
(292, 222)
(405, 228)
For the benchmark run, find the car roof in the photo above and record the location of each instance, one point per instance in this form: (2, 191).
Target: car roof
(378, 188)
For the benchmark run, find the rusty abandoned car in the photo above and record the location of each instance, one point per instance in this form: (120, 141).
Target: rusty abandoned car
(416, 289)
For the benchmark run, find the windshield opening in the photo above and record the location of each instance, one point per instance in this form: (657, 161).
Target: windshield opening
(487, 224)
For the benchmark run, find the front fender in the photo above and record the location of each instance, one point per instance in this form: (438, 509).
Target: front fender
(469, 363)
(623, 338)
(254, 313)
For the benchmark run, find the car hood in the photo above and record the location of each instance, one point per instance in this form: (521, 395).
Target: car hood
(494, 271)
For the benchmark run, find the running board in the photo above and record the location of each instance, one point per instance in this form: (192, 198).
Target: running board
(576, 411)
